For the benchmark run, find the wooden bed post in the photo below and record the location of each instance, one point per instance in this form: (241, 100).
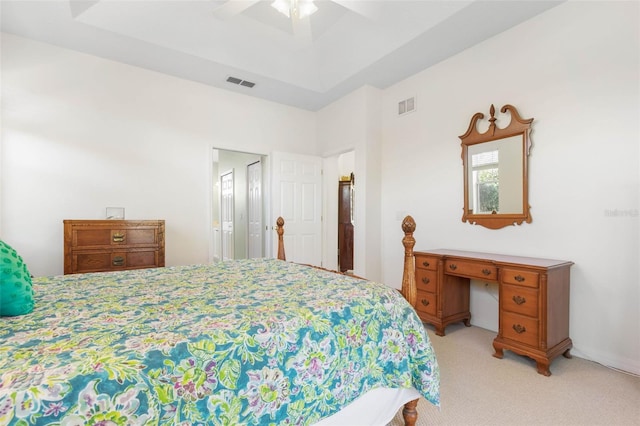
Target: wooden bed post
(410, 413)
(409, 290)
(280, 231)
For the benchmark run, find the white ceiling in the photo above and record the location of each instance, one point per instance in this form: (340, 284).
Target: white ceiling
(305, 63)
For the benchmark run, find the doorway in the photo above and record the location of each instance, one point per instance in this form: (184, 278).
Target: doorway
(345, 223)
(237, 207)
(345, 216)
(282, 184)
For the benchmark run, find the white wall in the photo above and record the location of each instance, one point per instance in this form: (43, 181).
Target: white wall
(81, 133)
(575, 69)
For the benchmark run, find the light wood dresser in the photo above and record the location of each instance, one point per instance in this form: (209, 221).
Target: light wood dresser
(533, 299)
(112, 245)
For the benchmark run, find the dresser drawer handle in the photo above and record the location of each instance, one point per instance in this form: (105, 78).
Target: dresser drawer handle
(453, 266)
(425, 302)
(117, 238)
(425, 264)
(486, 272)
(118, 261)
(519, 300)
(519, 328)
(426, 280)
(519, 278)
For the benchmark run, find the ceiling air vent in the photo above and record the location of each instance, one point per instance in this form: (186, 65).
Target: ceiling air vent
(241, 82)
(406, 106)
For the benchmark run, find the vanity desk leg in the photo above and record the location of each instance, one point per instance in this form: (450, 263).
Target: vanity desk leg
(543, 360)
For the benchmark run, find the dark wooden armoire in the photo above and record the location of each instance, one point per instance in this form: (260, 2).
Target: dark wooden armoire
(345, 225)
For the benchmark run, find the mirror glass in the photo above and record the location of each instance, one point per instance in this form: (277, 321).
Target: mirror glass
(495, 171)
(495, 176)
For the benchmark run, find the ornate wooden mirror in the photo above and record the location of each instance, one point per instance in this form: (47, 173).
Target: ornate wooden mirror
(495, 171)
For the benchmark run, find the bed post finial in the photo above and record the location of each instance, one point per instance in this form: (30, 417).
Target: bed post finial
(280, 231)
(409, 290)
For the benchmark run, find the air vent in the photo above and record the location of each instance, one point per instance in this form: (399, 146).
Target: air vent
(406, 106)
(241, 82)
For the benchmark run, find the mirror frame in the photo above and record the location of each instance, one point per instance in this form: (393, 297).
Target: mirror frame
(517, 126)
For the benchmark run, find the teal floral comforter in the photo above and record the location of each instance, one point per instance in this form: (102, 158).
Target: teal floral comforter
(252, 342)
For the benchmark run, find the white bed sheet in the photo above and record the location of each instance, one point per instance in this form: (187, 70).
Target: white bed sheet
(376, 407)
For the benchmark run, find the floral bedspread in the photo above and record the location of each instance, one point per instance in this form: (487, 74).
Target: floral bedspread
(250, 342)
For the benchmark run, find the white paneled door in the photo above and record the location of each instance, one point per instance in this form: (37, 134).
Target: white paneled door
(254, 208)
(226, 214)
(296, 182)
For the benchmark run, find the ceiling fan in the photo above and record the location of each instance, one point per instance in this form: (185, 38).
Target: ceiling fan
(298, 11)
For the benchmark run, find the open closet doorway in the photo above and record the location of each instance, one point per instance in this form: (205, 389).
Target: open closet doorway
(237, 208)
(346, 225)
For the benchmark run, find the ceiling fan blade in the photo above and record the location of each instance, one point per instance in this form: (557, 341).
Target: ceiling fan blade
(232, 8)
(368, 9)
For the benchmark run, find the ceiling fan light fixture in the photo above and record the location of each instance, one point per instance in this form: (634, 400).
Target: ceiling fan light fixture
(295, 8)
(306, 8)
(282, 6)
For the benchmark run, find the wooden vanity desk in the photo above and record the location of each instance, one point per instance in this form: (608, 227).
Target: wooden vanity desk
(533, 299)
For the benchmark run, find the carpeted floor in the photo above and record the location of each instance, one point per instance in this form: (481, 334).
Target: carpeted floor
(478, 389)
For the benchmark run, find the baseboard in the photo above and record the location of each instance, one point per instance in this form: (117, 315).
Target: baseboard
(625, 365)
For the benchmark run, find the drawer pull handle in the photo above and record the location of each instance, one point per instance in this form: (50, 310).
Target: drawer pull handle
(519, 300)
(117, 238)
(486, 272)
(519, 278)
(426, 280)
(118, 261)
(425, 264)
(425, 302)
(519, 328)
(453, 266)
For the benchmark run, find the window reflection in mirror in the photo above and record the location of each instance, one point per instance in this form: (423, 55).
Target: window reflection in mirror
(495, 168)
(495, 178)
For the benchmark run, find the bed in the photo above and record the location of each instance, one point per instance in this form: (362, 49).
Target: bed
(238, 342)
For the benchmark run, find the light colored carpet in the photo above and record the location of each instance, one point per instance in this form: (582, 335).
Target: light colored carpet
(478, 389)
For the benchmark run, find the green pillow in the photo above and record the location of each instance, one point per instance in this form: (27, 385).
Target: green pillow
(16, 293)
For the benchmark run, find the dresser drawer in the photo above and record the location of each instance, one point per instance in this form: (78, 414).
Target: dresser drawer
(426, 302)
(520, 328)
(107, 260)
(426, 280)
(520, 277)
(519, 299)
(105, 237)
(426, 262)
(481, 271)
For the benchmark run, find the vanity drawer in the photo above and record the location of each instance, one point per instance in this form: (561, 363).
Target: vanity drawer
(475, 270)
(426, 302)
(426, 262)
(519, 299)
(520, 277)
(520, 328)
(426, 280)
